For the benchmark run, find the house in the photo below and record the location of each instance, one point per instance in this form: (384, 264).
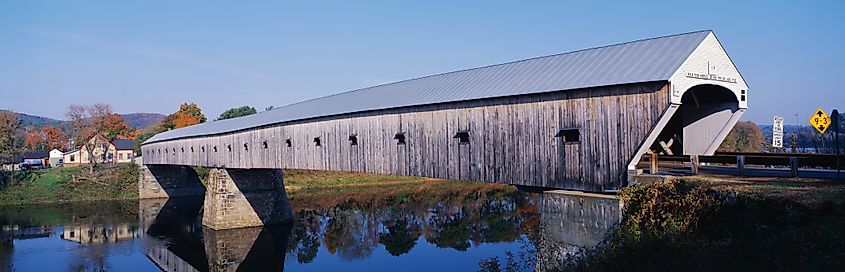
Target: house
(36, 159)
(10, 163)
(56, 158)
(104, 151)
(124, 150)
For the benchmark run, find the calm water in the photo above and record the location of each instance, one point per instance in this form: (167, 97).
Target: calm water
(423, 232)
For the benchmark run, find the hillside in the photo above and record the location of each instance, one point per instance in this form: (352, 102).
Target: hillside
(37, 121)
(133, 120)
(142, 120)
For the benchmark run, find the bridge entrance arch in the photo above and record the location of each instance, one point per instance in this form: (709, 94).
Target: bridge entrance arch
(699, 124)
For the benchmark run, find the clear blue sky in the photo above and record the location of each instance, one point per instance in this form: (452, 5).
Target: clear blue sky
(150, 56)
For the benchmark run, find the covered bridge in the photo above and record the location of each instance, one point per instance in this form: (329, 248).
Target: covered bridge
(579, 120)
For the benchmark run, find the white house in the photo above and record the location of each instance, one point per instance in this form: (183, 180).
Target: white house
(105, 151)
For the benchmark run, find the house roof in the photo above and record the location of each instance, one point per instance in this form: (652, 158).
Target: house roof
(123, 144)
(36, 155)
(11, 160)
(647, 60)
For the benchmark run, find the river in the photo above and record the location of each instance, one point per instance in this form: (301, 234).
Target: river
(420, 231)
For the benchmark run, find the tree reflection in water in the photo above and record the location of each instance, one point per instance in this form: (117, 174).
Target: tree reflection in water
(354, 228)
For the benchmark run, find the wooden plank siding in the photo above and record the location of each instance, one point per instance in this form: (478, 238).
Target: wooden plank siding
(512, 140)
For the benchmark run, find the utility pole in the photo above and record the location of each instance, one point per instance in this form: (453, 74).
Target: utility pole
(837, 127)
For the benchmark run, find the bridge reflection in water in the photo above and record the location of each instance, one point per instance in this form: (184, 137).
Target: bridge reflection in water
(573, 225)
(557, 226)
(177, 241)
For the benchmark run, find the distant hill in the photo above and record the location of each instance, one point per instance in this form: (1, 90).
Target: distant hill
(133, 120)
(37, 121)
(142, 120)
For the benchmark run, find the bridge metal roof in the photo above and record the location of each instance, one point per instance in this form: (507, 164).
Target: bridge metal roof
(647, 60)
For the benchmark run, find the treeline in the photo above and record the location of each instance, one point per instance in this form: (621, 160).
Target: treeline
(84, 122)
(188, 114)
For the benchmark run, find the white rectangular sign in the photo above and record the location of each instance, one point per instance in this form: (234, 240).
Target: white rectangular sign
(777, 132)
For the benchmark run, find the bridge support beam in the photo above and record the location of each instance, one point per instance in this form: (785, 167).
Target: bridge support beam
(240, 198)
(165, 181)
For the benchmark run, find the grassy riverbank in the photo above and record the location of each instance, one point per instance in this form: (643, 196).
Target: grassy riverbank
(714, 224)
(70, 184)
(117, 182)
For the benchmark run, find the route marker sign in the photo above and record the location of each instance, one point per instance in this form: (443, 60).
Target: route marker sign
(777, 132)
(820, 121)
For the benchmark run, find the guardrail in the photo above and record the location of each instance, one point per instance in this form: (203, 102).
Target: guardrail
(794, 161)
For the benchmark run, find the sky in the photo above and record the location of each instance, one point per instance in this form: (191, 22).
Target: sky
(151, 56)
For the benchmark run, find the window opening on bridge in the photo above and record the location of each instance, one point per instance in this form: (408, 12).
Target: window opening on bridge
(742, 96)
(246, 147)
(202, 148)
(174, 151)
(353, 139)
(165, 151)
(265, 144)
(192, 149)
(287, 142)
(462, 136)
(215, 148)
(229, 147)
(570, 135)
(317, 141)
(400, 138)
(183, 149)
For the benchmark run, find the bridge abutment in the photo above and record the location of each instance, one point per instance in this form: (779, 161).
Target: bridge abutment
(240, 198)
(165, 181)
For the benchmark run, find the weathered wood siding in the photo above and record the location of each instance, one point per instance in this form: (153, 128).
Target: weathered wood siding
(512, 140)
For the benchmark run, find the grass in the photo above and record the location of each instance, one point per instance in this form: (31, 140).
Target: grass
(308, 189)
(70, 184)
(304, 187)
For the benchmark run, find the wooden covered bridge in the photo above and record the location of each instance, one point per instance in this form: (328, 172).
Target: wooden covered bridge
(579, 120)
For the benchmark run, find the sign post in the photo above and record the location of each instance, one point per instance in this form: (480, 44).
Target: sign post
(777, 132)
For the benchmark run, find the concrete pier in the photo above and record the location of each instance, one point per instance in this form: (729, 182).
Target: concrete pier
(165, 181)
(240, 198)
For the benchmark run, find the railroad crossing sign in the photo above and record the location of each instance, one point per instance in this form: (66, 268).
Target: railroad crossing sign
(777, 132)
(820, 121)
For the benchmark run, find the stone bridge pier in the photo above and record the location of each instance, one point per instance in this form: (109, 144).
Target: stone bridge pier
(234, 198)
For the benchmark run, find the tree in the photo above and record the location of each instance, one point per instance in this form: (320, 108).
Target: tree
(90, 125)
(34, 139)
(55, 138)
(237, 112)
(8, 127)
(744, 137)
(113, 126)
(188, 114)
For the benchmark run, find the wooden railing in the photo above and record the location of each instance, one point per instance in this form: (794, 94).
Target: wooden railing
(792, 161)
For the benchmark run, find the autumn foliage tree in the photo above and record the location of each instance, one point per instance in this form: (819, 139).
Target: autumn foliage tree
(45, 138)
(34, 140)
(188, 114)
(114, 126)
(55, 138)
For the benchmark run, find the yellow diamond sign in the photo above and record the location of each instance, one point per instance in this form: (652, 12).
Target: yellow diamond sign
(820, 121)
